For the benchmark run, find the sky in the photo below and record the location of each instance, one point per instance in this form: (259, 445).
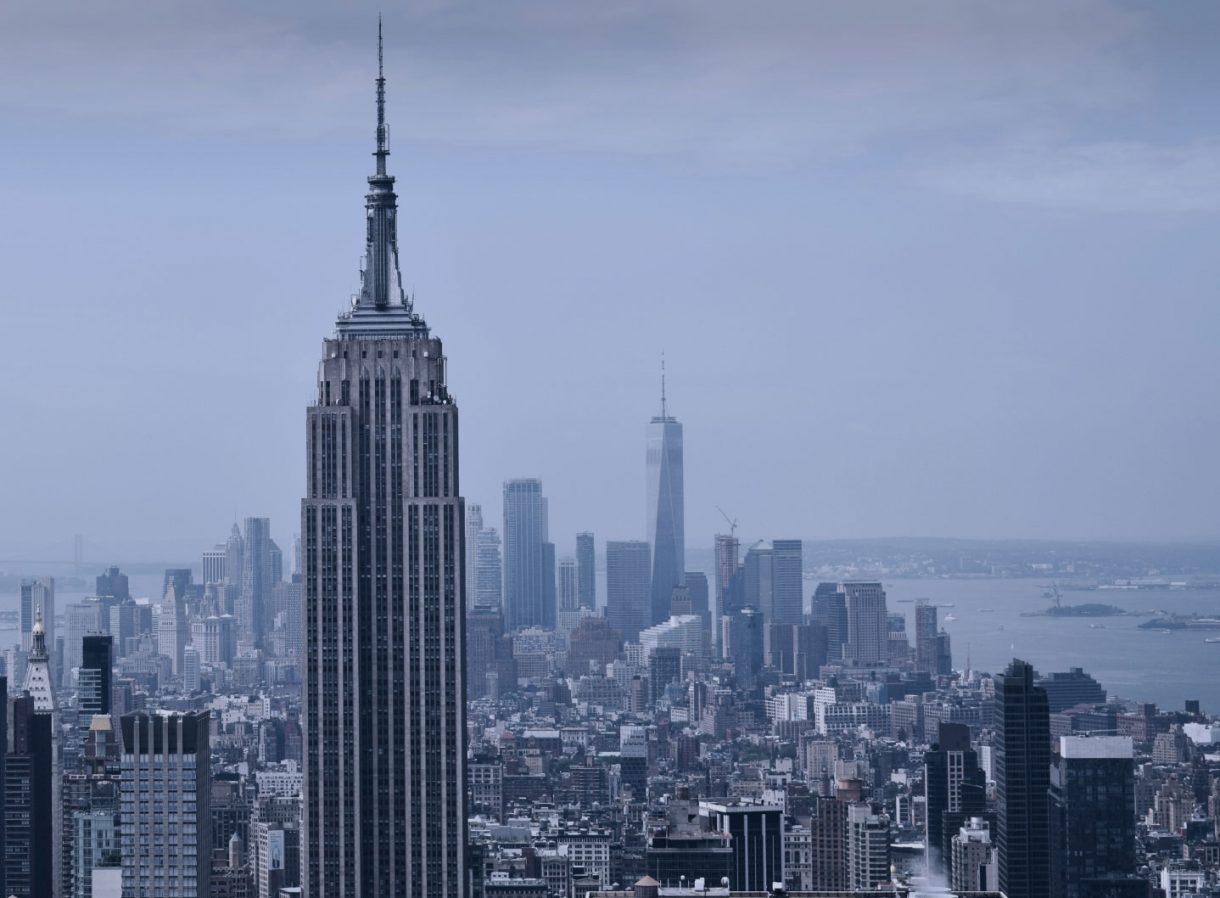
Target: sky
(925, 269)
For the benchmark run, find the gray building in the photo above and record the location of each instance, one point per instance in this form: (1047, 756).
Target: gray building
(166, 787)
(830, 610)
(529, 582)
(665, 509)
(566, 585)
(384, 720)
(773, 580)
(586, 570)
(258, 575)
(628, 588)
(488, 570)
(867, 622)
(35, 595)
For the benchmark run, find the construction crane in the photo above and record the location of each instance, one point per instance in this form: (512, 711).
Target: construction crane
(732, 521)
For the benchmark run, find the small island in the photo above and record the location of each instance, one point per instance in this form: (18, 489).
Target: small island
(1088, 609)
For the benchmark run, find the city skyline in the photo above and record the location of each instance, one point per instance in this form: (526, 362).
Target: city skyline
(1071, 377)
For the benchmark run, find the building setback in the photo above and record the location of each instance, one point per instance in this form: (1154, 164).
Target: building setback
(382, 529)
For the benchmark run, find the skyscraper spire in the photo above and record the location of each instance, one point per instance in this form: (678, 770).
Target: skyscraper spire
(663, 414)
(383, 143)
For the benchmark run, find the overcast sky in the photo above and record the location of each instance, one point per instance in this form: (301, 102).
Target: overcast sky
(916, 268)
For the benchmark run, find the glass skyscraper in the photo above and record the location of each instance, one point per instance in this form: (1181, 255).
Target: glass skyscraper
(665, 510)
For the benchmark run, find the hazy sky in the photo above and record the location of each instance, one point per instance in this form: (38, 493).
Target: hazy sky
(917, 268)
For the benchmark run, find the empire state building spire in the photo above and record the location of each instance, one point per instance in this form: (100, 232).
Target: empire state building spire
(381, 304)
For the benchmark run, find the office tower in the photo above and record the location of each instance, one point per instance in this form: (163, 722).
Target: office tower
(757, 839)
(166, 788)
(867, 623)
(567, 585)
(1092, 814)
(31, 838)
(235, 550)
(488, 574)
(828, 833)
(586, 571)
(190, 670)
(288, 605)
(474, 526)
(490, 665)
(214, 564)
(696, 587)
(275, 563)
(664, 667)
(956, 790)
(628, 587)
(95, 846)
(1022, 758)
(787, 582)
(665, 509)
(257, 576)
(830, 610)
(37, 596)
(1067, 690)
(112, 584)
(385, 617)
(944, 654)
(868, 848)
(744, 646)
(798, 650)
(726, 551)
(757, 571)
(93, 682)
(526, 575)
(925, 637)
(172, 628)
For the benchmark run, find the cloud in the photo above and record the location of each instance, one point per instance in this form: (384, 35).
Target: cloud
(1103, 177)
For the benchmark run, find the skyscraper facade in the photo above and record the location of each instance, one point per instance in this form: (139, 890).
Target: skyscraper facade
(1022, 758)
(488, 570)
(257, 578)
(166, 826)
(627, 587)
(727, 548)
(382, 528)
(95, 676)
(566, 585)
(665, 509)
(867, 623)
(586, 570)
(474, 525)
(528, 581)
(787, 582)
(37, 595)
(830, 610)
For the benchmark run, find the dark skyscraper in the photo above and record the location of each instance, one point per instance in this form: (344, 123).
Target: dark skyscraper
(1092, 822)
(29, 786)
(382, 529)
(665, 509)
(956, 790)
(1022, 755)
(787, 584)
(529, 583)
(586, 571)
(925, 637)
(112, 584)
(94, 677)
(830, 610)
(627, 587)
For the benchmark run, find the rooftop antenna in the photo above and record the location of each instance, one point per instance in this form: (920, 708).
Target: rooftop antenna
(382, 143)
(663, 383)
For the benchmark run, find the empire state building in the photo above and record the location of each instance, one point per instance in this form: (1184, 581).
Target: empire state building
(382, 531)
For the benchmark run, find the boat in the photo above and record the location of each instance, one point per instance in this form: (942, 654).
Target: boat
(1097, 626)
(949, 617)
(1212, 639)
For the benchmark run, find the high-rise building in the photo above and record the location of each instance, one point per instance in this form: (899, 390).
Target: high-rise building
(80, 619)
(112, 584)
(474, 526)
(665, 509)
(727, 548)
(528, 581)
(696, 587)
(37, 596)
(868, 848)
(628, 587)
(972, 856)
(586, 570)
(1075, 687)
(93, 684)
(744, 645)
(828, 832)
(166, 785)
(756, 832)
(787, 582)
(180, 578)
(956, 790)
(235, 551)
(566, 587)
(173, 632)
(214, 564)
(488, 574)
(867, 623)
(382, 529)
(830, 610)
(31, 841)
(1092, 815)
(257, 578)
(925, 636)
(1022, 758)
